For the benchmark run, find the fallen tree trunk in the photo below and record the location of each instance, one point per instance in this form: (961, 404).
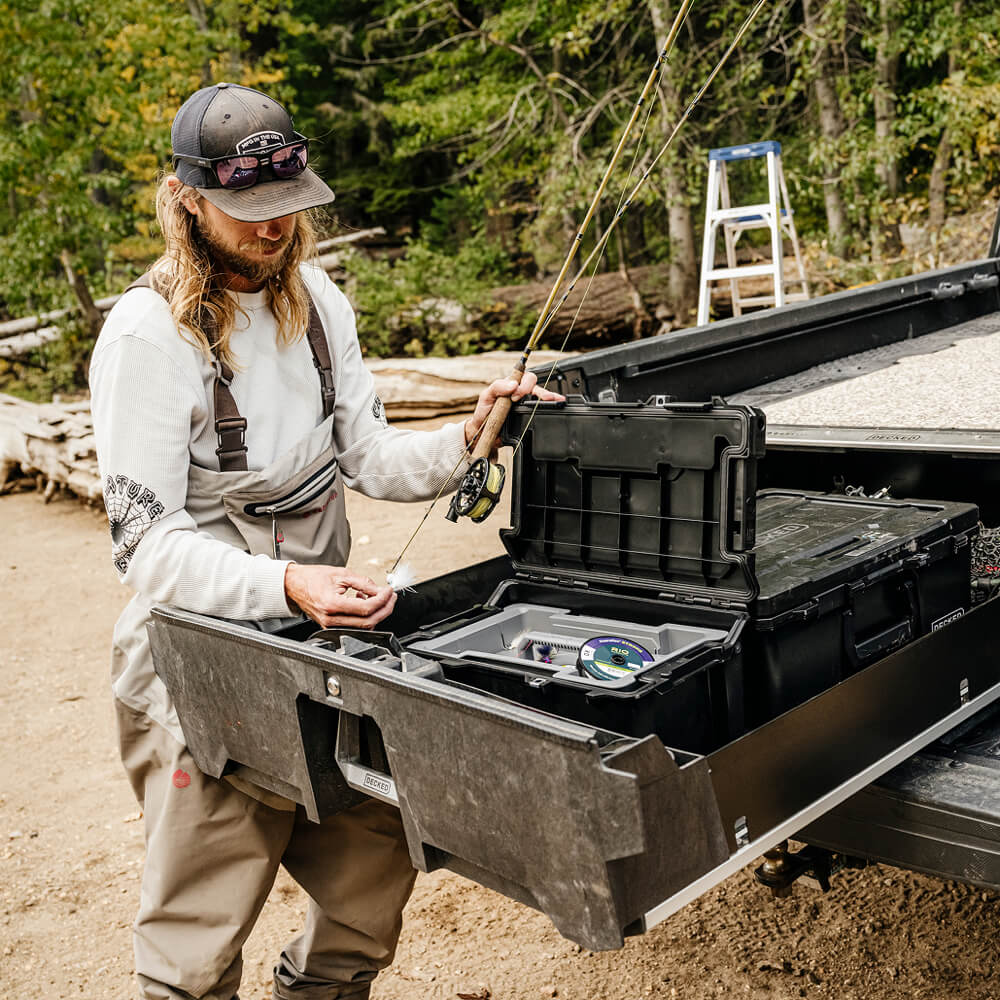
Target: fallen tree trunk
(51, 445)
(610, 305)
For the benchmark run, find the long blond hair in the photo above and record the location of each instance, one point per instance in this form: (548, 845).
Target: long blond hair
(188, 278)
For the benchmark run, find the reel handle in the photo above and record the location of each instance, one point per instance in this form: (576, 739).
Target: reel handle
(491, 428)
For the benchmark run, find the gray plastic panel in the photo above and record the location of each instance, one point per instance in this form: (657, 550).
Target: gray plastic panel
(931, 817)
(527, 802)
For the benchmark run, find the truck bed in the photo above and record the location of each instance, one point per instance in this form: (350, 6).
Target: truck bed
(613, 833)
(927, 403)
(914, 412)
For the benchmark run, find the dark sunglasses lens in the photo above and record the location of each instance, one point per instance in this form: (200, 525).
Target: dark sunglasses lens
(238, 171)
(290, 161)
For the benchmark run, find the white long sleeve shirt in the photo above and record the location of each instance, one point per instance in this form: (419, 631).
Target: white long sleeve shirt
(152, 393)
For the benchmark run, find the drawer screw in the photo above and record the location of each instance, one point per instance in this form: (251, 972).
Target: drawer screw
(333, 687)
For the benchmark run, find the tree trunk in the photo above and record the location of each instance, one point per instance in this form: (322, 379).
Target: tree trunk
(938, 187)
(832, 127)
(683, 281)
(886, 74)
(91, 314)
(196, 8)
(886, 164)
(610, 307)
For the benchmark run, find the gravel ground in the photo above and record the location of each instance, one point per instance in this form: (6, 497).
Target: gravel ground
(941, 380)
(71, 842)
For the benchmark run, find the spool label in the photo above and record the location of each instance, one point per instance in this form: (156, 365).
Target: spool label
(611, 657)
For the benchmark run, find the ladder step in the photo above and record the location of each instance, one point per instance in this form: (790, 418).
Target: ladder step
(768, 300)
(760, 221)
(747, 271)
(735, 213)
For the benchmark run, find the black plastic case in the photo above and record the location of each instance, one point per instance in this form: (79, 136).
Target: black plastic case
(614, 505)
(649, 512)
(844, 581)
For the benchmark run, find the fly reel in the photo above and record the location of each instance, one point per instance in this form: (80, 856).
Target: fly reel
(480, 491)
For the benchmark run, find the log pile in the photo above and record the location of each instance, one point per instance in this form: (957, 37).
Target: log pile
(630, 303)
(50, 446)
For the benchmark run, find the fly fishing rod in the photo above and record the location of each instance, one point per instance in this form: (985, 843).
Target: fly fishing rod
(480, 490)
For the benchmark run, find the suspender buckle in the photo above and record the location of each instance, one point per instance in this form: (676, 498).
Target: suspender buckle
(226, 428)
(222, 372)
(327, 389)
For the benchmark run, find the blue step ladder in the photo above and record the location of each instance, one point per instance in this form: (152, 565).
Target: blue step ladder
(775, 214)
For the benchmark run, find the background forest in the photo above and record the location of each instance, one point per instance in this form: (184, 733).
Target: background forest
(475, 134)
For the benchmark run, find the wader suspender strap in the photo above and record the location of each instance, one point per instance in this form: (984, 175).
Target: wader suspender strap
(230, 426)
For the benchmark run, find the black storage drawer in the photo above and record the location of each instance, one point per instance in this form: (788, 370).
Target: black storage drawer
(694, 702)
(603, 832)
(811, 669)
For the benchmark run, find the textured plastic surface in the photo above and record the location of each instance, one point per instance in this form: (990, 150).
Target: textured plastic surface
(692, 700)
(658, 497)
(810, 543)
(844, 581)
(551, 639)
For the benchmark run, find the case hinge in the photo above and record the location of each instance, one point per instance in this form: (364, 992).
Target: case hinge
(562, 581)
(699, 600)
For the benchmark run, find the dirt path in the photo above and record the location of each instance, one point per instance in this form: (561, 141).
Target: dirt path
(71, 839)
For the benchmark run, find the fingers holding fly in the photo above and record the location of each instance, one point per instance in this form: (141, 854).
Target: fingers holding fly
(360, 612)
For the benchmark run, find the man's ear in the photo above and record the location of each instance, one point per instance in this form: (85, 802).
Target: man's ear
(190, 203)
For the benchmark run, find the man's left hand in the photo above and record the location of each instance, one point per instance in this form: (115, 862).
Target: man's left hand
(505, 387)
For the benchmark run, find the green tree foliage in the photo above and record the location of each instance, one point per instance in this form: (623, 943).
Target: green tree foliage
(477, 131)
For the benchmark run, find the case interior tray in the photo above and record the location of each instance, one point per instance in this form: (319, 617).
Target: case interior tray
(522, 634)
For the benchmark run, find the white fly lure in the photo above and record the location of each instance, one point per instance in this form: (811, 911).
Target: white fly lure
(402, 578)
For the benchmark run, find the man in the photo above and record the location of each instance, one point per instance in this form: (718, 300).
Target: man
(231, 407)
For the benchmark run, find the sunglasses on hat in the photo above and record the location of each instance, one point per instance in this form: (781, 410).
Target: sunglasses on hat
(235, 172)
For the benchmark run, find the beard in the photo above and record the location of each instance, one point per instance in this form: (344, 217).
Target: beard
(235, 260)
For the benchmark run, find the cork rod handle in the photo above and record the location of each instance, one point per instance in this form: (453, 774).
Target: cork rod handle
(491, 428)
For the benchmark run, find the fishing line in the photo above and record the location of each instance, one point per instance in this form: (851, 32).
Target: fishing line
(480, 490)
(602, 242)
(593, 274)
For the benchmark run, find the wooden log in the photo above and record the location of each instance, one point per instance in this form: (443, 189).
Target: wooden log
(607, 305)
(22, 343)
(54, 442)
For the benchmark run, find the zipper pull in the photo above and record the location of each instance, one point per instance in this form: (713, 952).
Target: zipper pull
(277, 537)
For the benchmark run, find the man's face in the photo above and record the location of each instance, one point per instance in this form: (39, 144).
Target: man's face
(252, 251)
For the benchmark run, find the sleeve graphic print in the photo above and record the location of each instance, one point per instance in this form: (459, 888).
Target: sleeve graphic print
(132, 509)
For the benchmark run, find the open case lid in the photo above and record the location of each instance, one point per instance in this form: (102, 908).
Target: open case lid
(654, 495)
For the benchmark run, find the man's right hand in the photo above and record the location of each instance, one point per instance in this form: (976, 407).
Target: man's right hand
(332, 596)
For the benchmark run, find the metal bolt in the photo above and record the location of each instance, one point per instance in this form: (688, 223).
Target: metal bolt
(333, 687)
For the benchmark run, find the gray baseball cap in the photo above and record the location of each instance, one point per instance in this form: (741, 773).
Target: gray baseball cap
(227, 120)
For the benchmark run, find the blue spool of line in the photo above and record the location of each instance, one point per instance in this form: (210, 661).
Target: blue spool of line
(612, 657)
